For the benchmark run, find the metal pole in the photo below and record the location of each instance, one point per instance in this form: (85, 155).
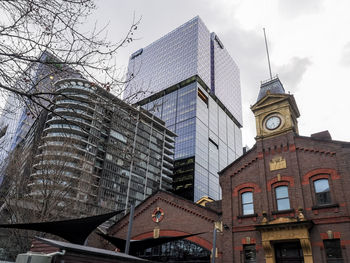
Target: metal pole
(213, 254)
(268, 56)
(131, 219)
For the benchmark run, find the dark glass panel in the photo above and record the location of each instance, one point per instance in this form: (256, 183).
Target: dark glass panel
(176, 251)
(249, 254)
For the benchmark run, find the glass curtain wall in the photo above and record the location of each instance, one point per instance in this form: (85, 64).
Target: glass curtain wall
(208, 139)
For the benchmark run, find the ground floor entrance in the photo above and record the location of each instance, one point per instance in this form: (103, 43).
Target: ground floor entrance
(286, 240)
(288, 252)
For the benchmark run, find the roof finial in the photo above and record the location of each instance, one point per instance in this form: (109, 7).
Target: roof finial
(267, 51)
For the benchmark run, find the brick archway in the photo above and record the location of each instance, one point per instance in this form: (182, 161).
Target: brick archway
(322, 171)
(251, 185)
(283, 180)
(173, 233)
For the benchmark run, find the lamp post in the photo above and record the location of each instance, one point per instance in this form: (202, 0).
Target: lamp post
(131, 219)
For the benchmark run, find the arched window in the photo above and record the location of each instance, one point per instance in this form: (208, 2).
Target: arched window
(282, 198)
(322, 191)
(176, 251)
(247, 203)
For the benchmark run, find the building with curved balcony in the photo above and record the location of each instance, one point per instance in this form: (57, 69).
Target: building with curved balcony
(103, 152)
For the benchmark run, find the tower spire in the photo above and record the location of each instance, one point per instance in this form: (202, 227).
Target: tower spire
(267, 51)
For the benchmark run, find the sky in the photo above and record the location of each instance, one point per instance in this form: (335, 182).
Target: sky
(309, 45)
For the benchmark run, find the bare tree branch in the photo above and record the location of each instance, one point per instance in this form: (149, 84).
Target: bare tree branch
(36, 34)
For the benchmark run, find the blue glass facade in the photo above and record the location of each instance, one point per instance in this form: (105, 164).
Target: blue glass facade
(208, 138)
(189, 80)
(187, 51)
(178, 110)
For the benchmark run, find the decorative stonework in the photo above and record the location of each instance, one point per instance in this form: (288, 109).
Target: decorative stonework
(157, 215)
(281, 105)
(156, 232)
(278, 163)
(285, 228)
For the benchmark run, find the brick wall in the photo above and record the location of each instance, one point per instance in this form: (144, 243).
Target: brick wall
(307, 159)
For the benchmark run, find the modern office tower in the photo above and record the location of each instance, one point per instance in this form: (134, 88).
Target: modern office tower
(109, 153)
(19, 114)
(188, 79)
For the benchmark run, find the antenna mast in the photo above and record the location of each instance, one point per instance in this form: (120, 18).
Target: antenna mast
(267, 51)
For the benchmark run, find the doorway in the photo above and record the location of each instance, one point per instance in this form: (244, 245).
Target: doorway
(289, 252)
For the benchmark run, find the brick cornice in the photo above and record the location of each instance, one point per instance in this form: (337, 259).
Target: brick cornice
(247, 164)
(243, 228)
(331, 220)
(311, 150)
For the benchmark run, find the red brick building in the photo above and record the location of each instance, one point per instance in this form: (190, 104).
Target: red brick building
(287, 199)
(167, 215)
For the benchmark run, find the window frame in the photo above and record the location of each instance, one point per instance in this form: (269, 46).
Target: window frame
(246, 248)
(317, 194)
(282, 198)
(330, 259)
(250, 203)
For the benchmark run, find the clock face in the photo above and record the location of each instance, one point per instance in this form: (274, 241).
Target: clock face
(273, 123)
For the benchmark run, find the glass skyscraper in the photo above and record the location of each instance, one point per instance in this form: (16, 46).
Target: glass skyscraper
(188, 79)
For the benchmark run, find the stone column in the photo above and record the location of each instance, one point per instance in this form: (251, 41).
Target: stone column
(269, 252)
(307, 250)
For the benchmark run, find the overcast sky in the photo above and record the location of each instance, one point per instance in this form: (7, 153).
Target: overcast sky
(309, 44)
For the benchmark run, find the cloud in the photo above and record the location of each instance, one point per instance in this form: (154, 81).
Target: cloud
(292, 73)
(295, 8)
(247, 48)
(345, 58)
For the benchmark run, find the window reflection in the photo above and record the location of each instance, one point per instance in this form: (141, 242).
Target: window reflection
(176, 251)
(247, 203)
(323, 195)
(249, 254)
(282, 198)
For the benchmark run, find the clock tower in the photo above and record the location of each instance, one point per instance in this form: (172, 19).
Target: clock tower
(275, 111)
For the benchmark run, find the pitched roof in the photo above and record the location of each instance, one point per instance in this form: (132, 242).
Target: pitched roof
(90, 250)
(272, 86)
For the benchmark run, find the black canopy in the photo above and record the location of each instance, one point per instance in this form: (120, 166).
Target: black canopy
(139, 245)
(73, 230)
